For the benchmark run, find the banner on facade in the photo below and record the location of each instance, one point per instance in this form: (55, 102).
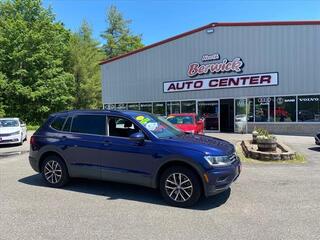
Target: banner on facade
(251, 80)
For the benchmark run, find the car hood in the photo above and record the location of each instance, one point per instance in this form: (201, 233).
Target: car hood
(207, 145)
(186, 127)
(9, 129)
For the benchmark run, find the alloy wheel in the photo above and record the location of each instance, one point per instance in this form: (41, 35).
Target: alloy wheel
(178, 187)
(53, 171)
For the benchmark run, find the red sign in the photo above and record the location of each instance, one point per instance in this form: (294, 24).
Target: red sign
(252, 80)
(195, 69)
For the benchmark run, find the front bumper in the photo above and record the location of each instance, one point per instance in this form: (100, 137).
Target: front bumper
(219, 179)
(13, 139)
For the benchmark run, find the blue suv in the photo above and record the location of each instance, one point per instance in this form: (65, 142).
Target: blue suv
(133, 147)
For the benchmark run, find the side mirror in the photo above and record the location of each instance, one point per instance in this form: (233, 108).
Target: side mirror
(137, 137)
(199, 122)
(23, 125)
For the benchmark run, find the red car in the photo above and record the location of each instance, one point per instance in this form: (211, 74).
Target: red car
(187, 122)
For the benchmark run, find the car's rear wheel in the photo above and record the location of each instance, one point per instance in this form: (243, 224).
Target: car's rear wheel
(54, 171)
(180, 186)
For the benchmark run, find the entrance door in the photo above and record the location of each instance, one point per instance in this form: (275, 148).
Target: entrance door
(226, 115)
(208, 111)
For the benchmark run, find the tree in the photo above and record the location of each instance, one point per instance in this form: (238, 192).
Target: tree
(119, 38)
(34, 57)
(85, 57)
(2, 89)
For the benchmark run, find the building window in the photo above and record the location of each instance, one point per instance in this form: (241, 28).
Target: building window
(188, 106)
(286, 109)
(240, 118)
(173, 107)
(110, 106)
(146, 107)
(121, 106)
(264, 109)
(208, 110)
(133, 106)
(250, 108)
(159, 108)
(309, 108)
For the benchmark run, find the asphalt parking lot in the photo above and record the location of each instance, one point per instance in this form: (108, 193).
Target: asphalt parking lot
(268, 201)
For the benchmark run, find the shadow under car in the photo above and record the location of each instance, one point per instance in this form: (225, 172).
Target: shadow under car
(114, 191)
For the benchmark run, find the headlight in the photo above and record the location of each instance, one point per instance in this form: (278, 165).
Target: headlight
(15, 133)
(218, 160)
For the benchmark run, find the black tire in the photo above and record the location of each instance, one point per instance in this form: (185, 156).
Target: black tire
(182, 200)
(60, 176)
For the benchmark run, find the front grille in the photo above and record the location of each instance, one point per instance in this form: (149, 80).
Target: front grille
(5, 134)
(8, 141)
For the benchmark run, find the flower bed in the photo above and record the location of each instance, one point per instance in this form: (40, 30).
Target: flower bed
(282, 152)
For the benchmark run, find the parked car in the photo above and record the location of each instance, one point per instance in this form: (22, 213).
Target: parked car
(317, 138)
(133, 147)
(12, 131)
(187, 122)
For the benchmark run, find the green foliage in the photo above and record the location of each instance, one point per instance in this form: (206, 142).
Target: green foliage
(2, 89)
(263, 134)
(44, 68)
(119, 38)
(85, 56)
(33, 57)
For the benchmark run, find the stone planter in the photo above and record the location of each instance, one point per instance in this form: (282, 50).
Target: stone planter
(254, 137)
(267, 145)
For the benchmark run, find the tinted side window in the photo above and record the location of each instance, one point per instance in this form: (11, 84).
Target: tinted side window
(92, 124)
(58, 122)
(67, 125)
(121, 127)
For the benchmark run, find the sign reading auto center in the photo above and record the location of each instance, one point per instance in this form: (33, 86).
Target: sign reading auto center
(235, 81)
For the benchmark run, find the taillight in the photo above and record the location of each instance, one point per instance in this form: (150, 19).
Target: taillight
(32, 140)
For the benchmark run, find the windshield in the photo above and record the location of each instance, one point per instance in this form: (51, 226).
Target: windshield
(9, 123)
(157, 125)
(180, 119)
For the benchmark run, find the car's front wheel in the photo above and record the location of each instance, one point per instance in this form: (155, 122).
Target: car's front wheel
(54, 171)
(180, 186)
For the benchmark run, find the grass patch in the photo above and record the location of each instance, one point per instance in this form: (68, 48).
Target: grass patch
(32, 127)
(299, 159)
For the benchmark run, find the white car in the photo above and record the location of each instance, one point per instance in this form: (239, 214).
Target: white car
(12, 131)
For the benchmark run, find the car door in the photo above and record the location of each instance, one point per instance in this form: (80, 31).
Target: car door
(125, 160)
(83, 145)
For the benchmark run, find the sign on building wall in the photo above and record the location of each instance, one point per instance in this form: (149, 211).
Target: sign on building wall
(219, 66)
(251, 80)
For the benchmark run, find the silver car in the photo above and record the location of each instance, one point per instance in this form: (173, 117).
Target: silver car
(12, 131)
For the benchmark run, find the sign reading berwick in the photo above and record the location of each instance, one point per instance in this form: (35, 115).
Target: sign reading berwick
(195, 69)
